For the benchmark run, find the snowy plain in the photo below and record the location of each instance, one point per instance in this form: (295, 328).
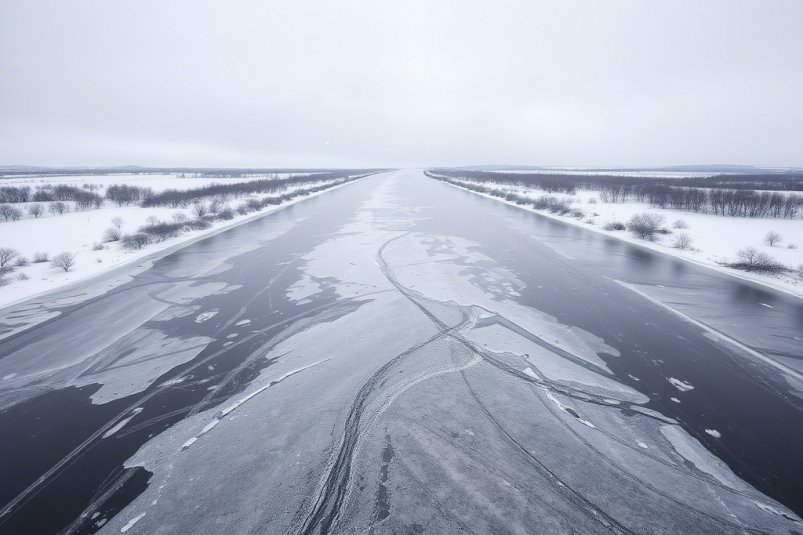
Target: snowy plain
(80, 232)
(715, 240)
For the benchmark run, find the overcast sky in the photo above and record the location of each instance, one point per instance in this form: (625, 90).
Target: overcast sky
(412, 83)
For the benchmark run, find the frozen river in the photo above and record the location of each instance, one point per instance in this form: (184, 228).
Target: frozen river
(400, 356)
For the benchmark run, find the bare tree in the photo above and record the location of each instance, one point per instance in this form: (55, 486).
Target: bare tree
(199, 209)
(10, 213)
(751, 259)
(35, 210)
(117, 222)
(682, 241)
(64, 261)
(645, 225)
(771, 238)
(112, 234)
(58, 208)
(7, 254)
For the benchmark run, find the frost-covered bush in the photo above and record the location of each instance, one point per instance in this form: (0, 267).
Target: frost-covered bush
(180, 217)
(197, 224)
(138, 240)
(7, 255)
(226, 214)
(771, 238)
(679, 223)
(38, 258)
(243, 209)
(21, 262)
(10, 213)
(58, 208)
(199, 209)
(35, 210)
(64, 261)
(98, 247)
(645, 225)
(112, 234)
(160, 231)
(22, 277)
(4, 272)
(682, 241)
(614, 225)
(751, 259)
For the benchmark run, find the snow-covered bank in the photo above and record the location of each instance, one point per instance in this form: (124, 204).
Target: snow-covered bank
(715, 239)
(79, 233)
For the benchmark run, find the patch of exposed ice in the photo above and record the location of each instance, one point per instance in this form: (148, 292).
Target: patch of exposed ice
(694, 452)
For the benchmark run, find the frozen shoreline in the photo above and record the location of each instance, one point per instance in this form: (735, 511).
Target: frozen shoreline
(786, 285)
(45, 279)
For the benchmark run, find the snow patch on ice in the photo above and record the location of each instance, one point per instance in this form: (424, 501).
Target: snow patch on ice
(204, 316)
(122, 423)
(130, 523)
(714, 433)
(683, 386)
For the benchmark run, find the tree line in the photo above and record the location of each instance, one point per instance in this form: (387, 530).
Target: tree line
(679, 194)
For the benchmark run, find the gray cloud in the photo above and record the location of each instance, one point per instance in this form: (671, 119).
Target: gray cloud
(344, 83)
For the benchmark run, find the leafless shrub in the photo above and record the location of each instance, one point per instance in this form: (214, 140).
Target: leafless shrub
(38, 258)
(751, 259)
(682, 241)
(7, 255)
(199, 209)
(10, 213)
(197, 224)
(613, 225)
(58, 208)
(4, 272)
(138, 240)
(180, 217)
(645, 225)
(64, 261)
(112, 234)
(22, 277)
(21, 262)
(226, 213)
(592, 200)
(771, 238)
(98, 247)
(680, 223)
(161, 231)
(118, 222)
(35, 210)
(791, 246)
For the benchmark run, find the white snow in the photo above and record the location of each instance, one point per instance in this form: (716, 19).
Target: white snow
(204, 316)
(122, 423)
(714, 433)
(680, 385)
(78, 231)
(130, 523)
